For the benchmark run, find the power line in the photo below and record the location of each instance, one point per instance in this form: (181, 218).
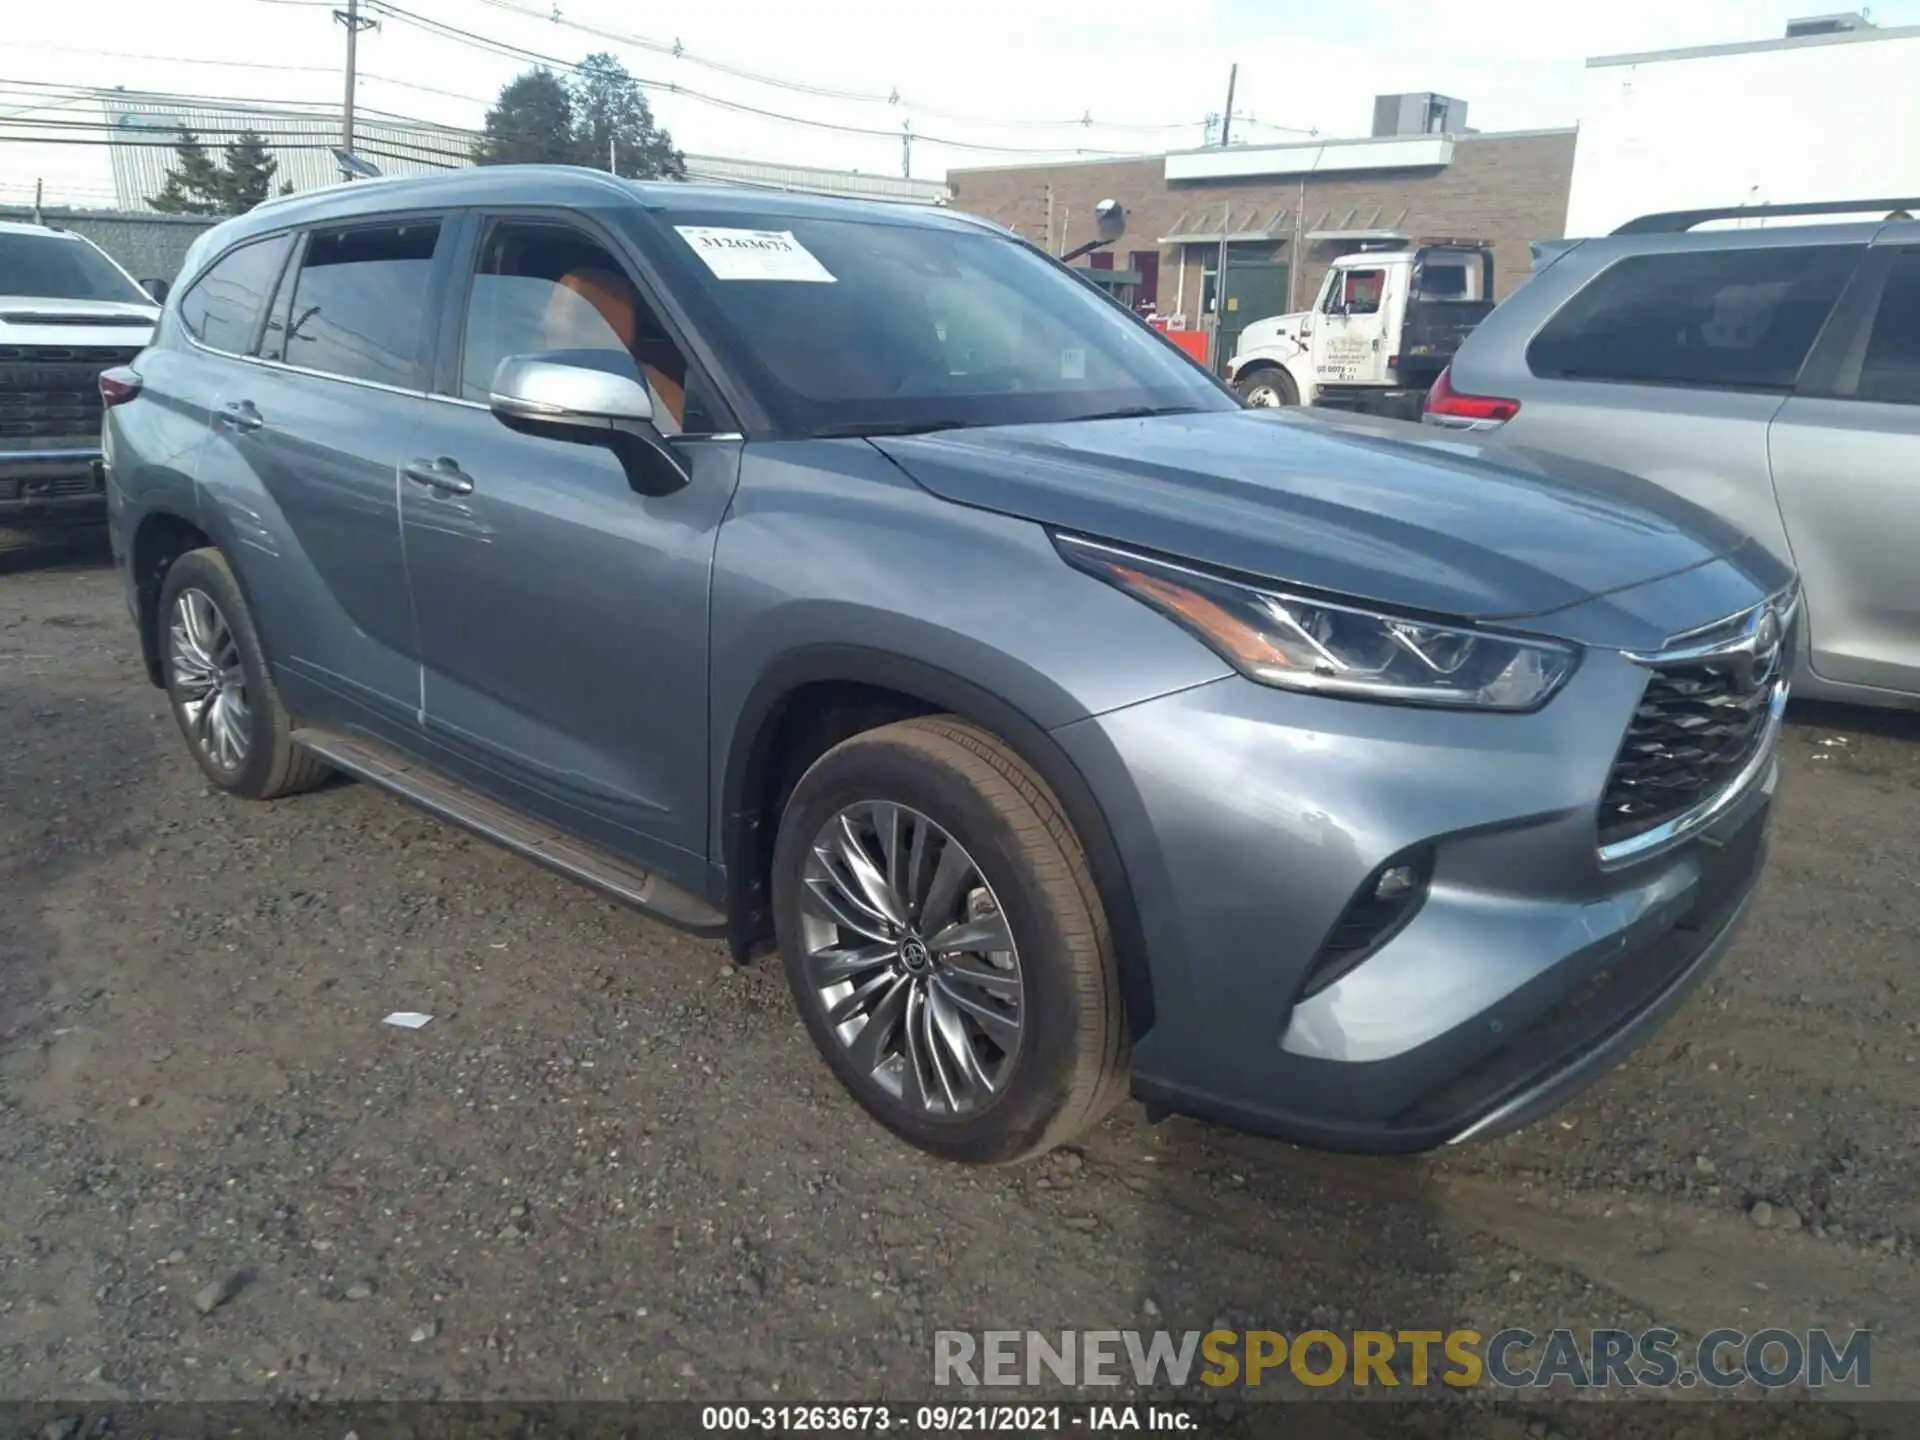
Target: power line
(677, 51)
(520, 52)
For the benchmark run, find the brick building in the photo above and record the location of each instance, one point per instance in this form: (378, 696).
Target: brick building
(1286, 210)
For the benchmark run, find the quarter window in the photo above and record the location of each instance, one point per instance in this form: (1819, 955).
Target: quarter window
(1890, 368)
(359, 306)
(1720, 319)
(222, 308)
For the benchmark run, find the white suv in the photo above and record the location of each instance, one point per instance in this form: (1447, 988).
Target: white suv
(67, 312)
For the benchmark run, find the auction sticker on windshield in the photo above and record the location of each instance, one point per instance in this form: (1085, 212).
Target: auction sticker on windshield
(754, 254)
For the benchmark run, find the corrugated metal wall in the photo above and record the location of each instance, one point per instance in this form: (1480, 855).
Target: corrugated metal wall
(296, 141)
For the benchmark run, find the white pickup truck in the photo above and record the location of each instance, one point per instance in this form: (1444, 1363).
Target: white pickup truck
(67, 312)
(1383, 327)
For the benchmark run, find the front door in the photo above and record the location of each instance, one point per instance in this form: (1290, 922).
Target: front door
(562, 615)
(1846, 468)
(1349, 334)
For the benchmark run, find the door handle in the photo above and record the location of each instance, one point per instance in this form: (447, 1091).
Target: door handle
(443, 475)
(242, 415)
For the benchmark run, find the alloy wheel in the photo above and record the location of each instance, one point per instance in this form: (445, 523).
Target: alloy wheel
(209, 682)
(912, 959)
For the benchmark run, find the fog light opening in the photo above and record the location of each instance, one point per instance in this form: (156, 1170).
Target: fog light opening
(1388, 898)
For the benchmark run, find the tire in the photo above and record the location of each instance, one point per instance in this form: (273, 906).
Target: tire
(946, 778)
(250, 751)
(1267, 386)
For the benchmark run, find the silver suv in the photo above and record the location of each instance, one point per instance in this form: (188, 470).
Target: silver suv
(1770, 374)
(856, 581)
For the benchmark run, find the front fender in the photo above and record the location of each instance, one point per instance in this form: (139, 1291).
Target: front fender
(833, 565)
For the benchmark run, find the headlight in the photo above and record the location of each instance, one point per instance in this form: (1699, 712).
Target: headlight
(1305, 643)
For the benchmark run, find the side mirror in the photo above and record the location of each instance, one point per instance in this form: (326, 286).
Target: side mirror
(1110, 220)
(158, 289)
(578, 396)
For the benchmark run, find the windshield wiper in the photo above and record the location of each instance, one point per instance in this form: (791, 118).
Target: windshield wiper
(1140, 412)
(862, 428)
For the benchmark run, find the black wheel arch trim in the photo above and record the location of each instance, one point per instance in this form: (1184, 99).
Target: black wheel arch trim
(746, 849)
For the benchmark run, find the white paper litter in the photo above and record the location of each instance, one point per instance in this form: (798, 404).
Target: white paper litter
(407, 1019)
(754, 254)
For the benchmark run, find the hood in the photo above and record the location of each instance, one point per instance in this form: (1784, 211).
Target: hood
(1406, 516)
(1269, 331)
(23, 318)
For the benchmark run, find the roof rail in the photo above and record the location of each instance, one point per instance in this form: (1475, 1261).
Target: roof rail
(1675, 222)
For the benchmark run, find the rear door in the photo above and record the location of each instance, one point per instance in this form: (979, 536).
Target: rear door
(303, 460)
(1846, 465)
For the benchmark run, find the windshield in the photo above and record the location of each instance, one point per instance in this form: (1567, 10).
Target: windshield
(59, 267)
(862, 326)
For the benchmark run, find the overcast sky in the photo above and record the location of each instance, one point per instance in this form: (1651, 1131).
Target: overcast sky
(972, 72)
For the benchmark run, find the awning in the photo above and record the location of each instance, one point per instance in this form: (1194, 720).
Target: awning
(1357, 237)
(1248, 227)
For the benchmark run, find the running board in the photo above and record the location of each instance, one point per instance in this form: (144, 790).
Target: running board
(393, 771)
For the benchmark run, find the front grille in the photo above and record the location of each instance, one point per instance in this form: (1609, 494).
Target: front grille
(52, 392)
(1696, 727)
(56, 487)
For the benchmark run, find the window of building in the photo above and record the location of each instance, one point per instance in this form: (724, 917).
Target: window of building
(543, 287)
(1728, 319)
(1890, 368)
(222, 307)
(359, 305)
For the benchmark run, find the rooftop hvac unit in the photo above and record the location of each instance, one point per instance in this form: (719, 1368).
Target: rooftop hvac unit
(1419, 112)
(1828, 24)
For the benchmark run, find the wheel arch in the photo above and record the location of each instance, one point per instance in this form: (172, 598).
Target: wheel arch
(832, 687)
(161, 538)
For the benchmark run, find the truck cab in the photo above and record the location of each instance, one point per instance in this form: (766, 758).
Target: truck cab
(1382, 327)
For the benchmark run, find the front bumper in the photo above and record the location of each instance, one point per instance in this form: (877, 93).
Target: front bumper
(1248, 818)
(52, 486)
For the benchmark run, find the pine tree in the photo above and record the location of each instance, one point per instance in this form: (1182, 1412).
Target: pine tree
(193, 183)
(247, 173)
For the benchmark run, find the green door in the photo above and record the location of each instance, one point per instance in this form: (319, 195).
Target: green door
(1256, 289)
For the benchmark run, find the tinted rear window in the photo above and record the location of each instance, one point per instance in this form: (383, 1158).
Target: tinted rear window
(1726, 319)
(360, 303)
(223, 306)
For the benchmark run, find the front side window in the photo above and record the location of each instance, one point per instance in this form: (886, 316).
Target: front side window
(56, 266)
(222, 308)
(1360, 291)
(1727, 319)
(544, 287)
(359, 304)
(1890, 368)
(859, 326)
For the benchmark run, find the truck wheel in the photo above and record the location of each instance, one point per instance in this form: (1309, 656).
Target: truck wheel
(1267, 386)
(946, 945)
(222, 692)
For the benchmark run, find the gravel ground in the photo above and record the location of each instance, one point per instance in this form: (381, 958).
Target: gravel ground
(613, 1167)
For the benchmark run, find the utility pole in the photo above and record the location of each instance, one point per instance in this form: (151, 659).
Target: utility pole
(355, 23)
(38, 218)
(1226, 120)
(906, 149)
(613, 167)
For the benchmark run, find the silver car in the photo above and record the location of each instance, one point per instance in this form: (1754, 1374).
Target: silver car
(1769, 373)
(856, 582)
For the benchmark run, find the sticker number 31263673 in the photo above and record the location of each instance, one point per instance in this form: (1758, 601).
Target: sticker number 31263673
(733, 254)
